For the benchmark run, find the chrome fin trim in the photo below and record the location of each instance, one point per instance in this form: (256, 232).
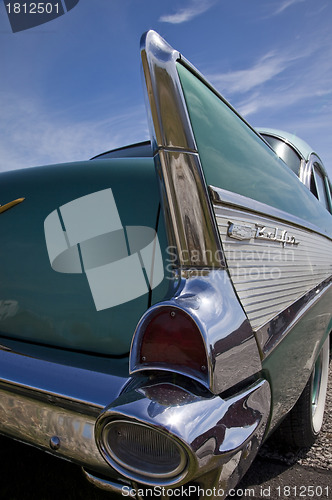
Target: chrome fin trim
(190, 222)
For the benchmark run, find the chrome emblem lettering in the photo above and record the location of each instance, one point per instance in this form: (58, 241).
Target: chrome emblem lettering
(265, 233)
(244, 231)
(240, 231)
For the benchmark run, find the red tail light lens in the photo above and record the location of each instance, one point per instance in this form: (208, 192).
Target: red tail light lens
(172, 339)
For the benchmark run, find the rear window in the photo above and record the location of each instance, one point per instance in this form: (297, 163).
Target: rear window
(285, 152)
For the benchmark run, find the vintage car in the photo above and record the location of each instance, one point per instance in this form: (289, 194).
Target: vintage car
(165, 307)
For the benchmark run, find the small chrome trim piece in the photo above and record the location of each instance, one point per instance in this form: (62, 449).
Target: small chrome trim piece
(55, 443)
(11, 204)
(265, 233)
(105, 484)
(245, 232)
(305, 173)
(169, 121)
(240, 231)
(187, 208)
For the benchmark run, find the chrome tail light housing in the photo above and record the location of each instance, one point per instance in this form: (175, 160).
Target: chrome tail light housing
(168, 433)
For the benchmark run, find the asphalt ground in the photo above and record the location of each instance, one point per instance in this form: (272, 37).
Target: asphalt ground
(27, 473)
(277, 474)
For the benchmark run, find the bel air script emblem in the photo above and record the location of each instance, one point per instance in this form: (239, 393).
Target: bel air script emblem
(264, 233)
(242, 232)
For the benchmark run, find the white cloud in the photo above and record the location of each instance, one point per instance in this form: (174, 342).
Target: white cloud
(185, 14)
(279, 78)
(266, 69)
(284, 5)
(297, 87)
(32, 136)
(269, 66)
(288, 88)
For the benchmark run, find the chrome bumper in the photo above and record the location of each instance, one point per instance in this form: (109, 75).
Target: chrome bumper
(63, 410)
(55, 406)
(220, 437)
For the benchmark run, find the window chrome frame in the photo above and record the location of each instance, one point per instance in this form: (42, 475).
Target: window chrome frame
(309, 173)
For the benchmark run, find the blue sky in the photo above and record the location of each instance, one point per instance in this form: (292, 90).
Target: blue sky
(71, 88)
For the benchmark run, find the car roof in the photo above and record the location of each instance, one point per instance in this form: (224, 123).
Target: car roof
(298, 144)
(137, 150)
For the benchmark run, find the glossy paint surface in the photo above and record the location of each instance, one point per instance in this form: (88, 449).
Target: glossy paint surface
(235, 158)
(40, 304)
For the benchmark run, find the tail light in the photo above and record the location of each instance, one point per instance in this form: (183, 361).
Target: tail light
(169, 338)
(141, 450)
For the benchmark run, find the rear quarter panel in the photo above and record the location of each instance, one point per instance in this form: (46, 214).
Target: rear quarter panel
(38, 304)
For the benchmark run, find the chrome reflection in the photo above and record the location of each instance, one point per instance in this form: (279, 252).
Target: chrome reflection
(44, 425)
(55, 406)
(186, 205)
(105, 484)
(208, 297)
(214, 432)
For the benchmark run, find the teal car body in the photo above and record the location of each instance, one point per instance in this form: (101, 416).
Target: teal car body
(55, 308)
(166, 306)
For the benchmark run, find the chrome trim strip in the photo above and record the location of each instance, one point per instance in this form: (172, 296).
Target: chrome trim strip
(223, 197)
(186, 204)
(56, 381)
(270, 335)
(209, 298)
(214, 432)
